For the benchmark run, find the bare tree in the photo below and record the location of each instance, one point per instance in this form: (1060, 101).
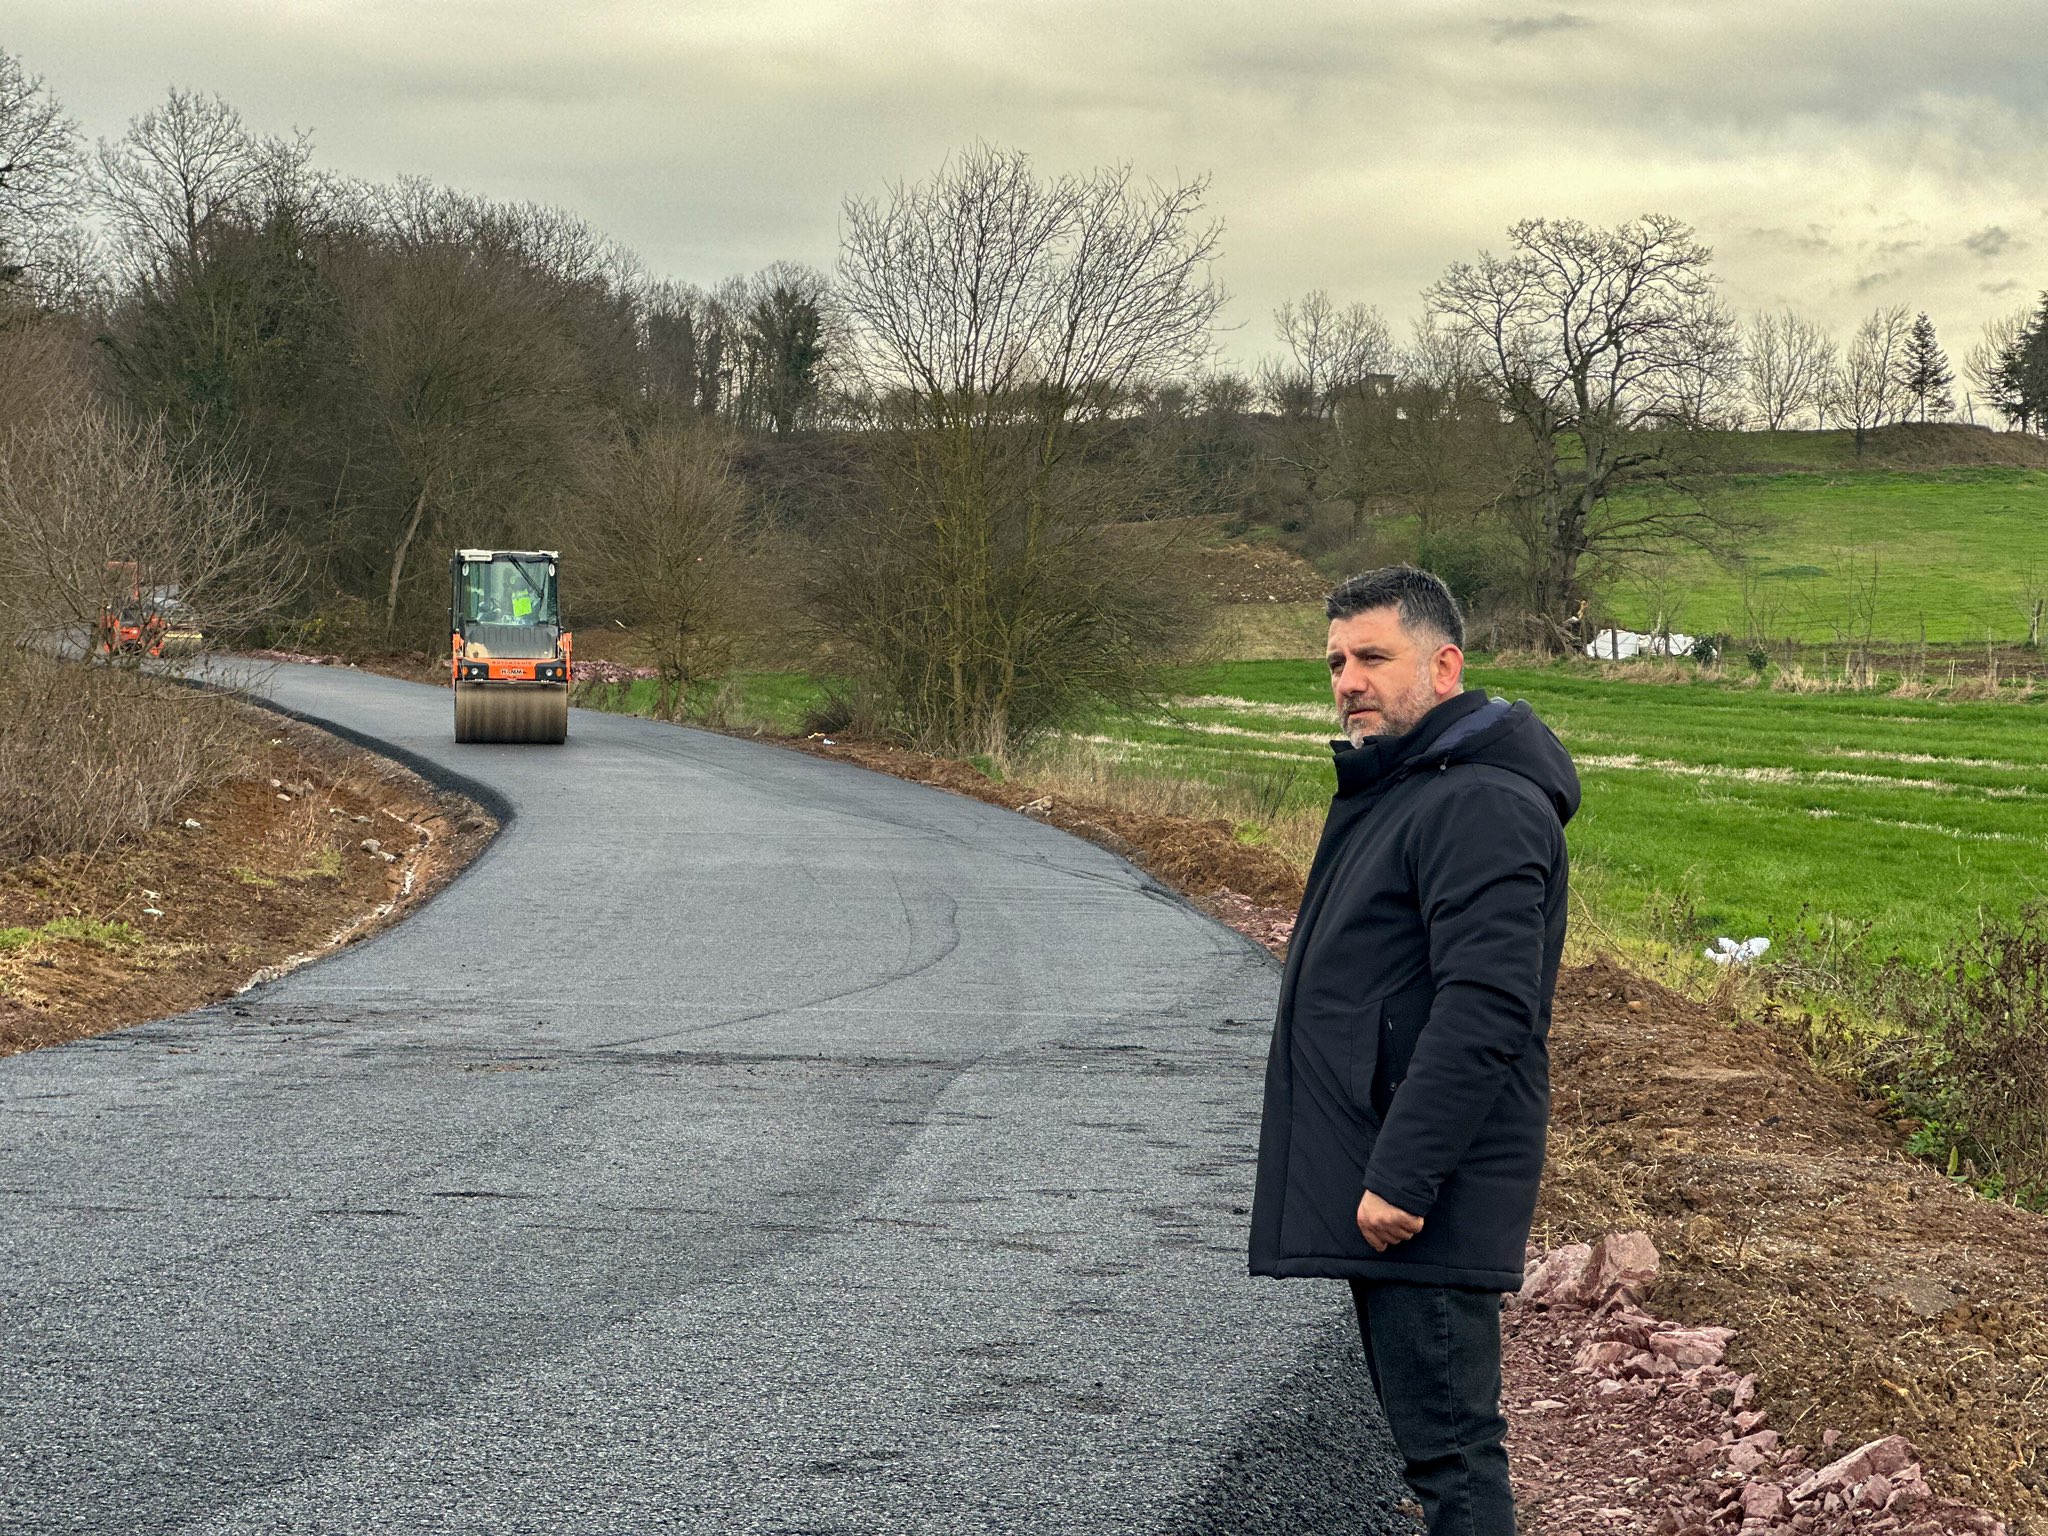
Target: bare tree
(1329, 391)
(1432, 443)
(92, 506)
(999, 321)
(183, 167)
(1787, 361)
(466, 340)
(1706, 380)
(39, 182)
(1599, 345)
(661, 549)
(1865, 390)
(1333, 353)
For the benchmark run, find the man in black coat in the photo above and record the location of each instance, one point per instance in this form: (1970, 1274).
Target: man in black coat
(1408, 1089)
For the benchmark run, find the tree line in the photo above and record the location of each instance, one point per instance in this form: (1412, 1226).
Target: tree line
(967, 462)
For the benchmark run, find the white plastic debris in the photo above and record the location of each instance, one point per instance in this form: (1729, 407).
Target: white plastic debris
(370, 845)
(191, 826)
(152, 912)
(1727, 951)
(1621, 644)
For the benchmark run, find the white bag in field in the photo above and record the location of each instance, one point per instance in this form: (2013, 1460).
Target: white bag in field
(1728, 952)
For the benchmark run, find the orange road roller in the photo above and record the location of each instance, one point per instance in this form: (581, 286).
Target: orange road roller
(510, 665)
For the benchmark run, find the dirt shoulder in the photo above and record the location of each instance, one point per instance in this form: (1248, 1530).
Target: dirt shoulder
(316, 843)
(1868, 1296)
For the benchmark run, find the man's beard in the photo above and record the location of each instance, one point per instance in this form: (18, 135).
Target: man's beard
(1394, 717)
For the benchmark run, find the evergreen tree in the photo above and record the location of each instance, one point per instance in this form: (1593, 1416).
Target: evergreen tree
(1924, 373)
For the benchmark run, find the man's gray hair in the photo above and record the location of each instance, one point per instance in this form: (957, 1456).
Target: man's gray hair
(1423, 601)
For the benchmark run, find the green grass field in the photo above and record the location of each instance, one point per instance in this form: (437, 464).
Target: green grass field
(1944, 554)
(1709, 808)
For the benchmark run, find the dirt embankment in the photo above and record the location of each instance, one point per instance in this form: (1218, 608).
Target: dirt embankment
(1868, 1295)
(314, 844)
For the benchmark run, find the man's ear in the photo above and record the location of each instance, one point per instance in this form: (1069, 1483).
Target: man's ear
(1446, 667)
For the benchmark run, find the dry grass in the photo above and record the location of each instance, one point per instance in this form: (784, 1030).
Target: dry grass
(1252, 804)
(90, 755)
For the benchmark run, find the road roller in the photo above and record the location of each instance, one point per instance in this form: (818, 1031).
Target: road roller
(510, 663)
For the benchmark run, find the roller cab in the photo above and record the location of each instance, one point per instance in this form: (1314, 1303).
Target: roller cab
(509, 664)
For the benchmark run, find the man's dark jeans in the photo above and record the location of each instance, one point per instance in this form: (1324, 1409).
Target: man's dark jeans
(1434, 1355)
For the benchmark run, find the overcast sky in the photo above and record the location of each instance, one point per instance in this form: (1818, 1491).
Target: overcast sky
(1837, 154)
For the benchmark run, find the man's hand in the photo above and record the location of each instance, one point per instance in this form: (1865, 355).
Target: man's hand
(1384, 1225)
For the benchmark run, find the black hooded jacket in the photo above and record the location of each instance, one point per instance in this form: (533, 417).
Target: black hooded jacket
(1410, 1054)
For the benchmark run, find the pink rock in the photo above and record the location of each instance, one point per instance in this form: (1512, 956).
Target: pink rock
(1764, 1501)
(1610, 1387)
(1614, 1272)
(1828, 1437)
(1883, 1457)
(1909, 1494)
(1558, 1279)
(1623, 1266)
(1744, 1458)
(1745, 1392)
(1602, 1355)
(1692, 1346)
(1745, 1422)
(1629, 1325)
(1876, 1491)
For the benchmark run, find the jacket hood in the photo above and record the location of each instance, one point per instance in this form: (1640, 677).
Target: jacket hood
(1509, 736)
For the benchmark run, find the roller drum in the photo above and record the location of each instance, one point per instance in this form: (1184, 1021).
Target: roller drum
(511, 712)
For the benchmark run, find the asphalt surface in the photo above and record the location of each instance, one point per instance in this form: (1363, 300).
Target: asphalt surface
(745, 1143)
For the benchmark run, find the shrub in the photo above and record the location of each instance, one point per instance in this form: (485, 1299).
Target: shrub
(1973, 1063)
(90, 755)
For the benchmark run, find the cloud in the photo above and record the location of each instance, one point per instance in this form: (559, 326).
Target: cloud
(1811, 241)
(1992, 241)
(1354, 148)
(1514, 29)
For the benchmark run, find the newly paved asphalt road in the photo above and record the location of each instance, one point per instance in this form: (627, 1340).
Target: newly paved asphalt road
(746, 1143)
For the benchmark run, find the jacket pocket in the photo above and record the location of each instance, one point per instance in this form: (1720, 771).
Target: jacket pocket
(1361, 1069)
(1400, 1023)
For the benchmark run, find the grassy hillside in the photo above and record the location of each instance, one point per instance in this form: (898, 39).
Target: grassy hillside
(1944, 552)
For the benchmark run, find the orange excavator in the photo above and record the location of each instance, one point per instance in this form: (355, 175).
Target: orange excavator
(509, 666)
